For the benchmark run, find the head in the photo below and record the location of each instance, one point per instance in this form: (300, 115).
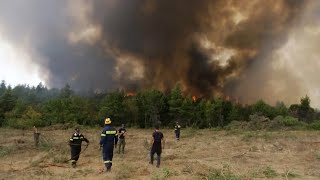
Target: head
(157, 128)
(177, 123)
(77, 130)
(107, 121)
(122, 125)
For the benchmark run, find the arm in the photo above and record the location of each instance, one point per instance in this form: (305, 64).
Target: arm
(103, 137)
(116, 139)
(86, 140)
(152, 140)
(71, 140)
(125, 133)
(163, 142)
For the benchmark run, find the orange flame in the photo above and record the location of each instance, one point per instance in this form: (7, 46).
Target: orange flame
(130, 94)
(194, 98)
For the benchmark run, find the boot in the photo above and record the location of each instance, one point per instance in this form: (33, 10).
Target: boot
(74, 164)
(108, 167)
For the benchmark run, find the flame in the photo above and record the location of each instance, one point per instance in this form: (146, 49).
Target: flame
(130, 94)
(194, 98)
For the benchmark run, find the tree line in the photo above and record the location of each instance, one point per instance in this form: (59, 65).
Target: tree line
(23, 106)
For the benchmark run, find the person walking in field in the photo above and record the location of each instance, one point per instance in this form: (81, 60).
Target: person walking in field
(75, 144)
(157, 145)
(122, 135)
(107, 142)
(177, 128)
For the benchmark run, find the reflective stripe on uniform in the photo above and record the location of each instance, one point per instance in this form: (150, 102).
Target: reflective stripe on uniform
(73, 161)
(111, 132)
(76, 138)
(81, 137)
(107, 162)
(103, 134)
(71, 139)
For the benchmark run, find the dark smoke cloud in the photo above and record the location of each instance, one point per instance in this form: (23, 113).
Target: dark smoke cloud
(209, 46)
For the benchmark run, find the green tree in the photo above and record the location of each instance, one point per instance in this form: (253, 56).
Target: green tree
(7, 103)
(305, 111)
(112, 106)
(175, 102)
(3, 87)
(187, 111)
(66, 91)
(152, 105)
(131, 111)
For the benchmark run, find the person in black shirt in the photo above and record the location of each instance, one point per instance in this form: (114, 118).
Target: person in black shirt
(157, 145)
(75, 144)
(177, 128)
(122, 134)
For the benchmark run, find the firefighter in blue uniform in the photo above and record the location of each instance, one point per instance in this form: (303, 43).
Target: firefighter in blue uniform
(75, 144)
(107, 142)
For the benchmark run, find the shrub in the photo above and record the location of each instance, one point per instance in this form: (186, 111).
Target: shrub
(315, 125)
(269, 172)
(289, 121)
(221, 175)
(235, 125)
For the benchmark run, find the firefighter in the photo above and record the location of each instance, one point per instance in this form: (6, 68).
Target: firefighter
(157, 145)
(177, 128)
(107, 142)
(75, 144)
(122, 134)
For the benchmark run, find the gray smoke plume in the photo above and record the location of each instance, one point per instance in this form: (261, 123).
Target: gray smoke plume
(211, 47)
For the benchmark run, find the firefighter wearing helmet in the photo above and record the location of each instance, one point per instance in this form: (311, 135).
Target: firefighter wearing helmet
(107, 142)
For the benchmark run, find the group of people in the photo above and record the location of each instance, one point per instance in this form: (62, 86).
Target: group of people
(111, 137)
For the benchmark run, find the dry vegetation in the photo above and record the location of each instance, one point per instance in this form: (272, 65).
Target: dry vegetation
(200, 154)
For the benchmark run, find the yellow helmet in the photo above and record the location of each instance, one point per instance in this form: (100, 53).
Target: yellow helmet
(107, 121)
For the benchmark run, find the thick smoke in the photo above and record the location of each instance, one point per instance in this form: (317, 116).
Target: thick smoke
(211, 47)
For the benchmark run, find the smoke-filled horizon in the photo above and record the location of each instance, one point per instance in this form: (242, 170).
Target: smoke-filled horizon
(248, 49)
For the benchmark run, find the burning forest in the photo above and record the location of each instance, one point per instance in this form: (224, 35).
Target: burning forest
(210, 47)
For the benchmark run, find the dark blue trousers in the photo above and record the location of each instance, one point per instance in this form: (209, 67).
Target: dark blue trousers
(107, 155)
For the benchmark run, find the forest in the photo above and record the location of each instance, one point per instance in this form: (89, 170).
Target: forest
(25, 106)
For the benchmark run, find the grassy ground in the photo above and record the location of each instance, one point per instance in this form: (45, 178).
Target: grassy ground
(200, 154)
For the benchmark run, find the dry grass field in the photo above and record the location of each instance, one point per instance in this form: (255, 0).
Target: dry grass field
(200, 154)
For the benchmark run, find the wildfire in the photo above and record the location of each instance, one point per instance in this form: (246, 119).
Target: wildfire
(194, 98)
(130, 94)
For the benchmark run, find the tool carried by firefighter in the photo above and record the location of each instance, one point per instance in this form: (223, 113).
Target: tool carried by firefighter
(75, 143)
